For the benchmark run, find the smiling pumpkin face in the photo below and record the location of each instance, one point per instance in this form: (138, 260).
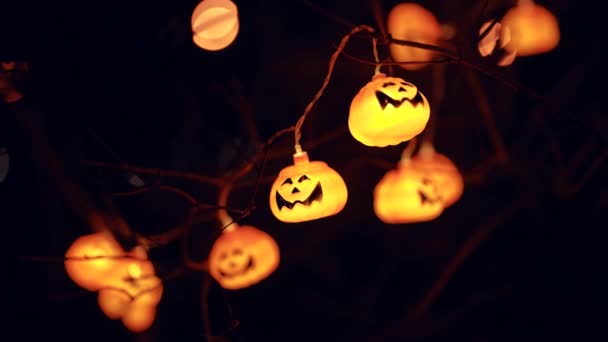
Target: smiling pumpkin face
(307, 191)
(407, 195)
(243, 257)
(448, 179)
(388, 111)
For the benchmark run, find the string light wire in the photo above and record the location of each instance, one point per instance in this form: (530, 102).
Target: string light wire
(332, 62)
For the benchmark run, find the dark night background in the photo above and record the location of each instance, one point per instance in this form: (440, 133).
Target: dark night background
(123, 82)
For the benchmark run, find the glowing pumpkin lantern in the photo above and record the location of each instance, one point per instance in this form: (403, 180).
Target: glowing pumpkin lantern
(307, 190)
(137, 309)
(407, 194)
(534, 29)
(128, 287)
(132, 294)
(448, 179)
(387, 111)
(410, 21)
(92, 259)
(242, 257)
(139, 317)
(215, 24)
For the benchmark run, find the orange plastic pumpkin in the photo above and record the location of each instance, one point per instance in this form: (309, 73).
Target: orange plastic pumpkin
(128, 287)
(137, 314)
(215, 24)
(132, 294)
(446, 175)
(410, 21)
(307, 190)
(139, 317)
(242, 257)
(91, 268)
(407, 194)
(534, 29)
(388, 111)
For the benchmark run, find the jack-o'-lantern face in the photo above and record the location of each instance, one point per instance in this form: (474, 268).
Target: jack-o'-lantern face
(410, 21)
(242, 257)
(406, 195)
(388, 111)
(307, 191)
(92, 258)
(448, 179)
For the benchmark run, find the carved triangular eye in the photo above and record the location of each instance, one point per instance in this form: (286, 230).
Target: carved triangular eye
(303, 178)
(287, 181)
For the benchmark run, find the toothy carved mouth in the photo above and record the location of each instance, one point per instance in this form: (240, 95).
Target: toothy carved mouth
(249, 266)
(315, 195)
(384, 100)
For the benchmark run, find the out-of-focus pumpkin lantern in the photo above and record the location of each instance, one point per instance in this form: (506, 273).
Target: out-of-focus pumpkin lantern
(242, 257)
(448, 179)
(215, 24)
(387, 111)
(410, 21)
(128, 287)
(92, 259)
(132, 295)
(493, 43)
(533, 28)
(139, 317)
(307, 190)
(406, 195)
(113, 302)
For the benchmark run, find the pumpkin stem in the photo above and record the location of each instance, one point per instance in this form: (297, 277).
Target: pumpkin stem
(406, 155)
(300, 158)
(427, 149)
(378, 76)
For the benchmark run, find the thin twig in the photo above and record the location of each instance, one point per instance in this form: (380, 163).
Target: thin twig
(159, 172)
(381, 26)
(161, 239)
(328, 14)
(205, 304)
(184, 194)
(436, 101)
(464, 252)
(488, 117)
(332, 62)
(58, 259)
(454, 58)
(564, 188)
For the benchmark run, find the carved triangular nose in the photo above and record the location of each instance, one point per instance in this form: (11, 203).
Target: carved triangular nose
(295, 190)
(401, 89)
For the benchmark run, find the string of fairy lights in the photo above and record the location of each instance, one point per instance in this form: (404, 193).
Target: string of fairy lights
(386, 111)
